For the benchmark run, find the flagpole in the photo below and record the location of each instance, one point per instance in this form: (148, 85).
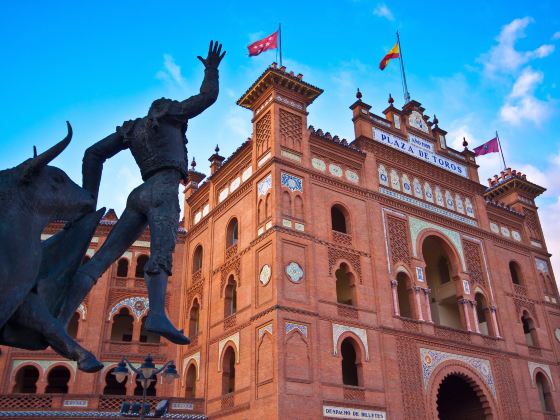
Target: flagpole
(280, 35)
(405, 87)
(501, 151)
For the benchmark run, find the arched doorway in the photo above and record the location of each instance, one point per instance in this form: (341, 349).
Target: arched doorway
(26, 380)
(112, 386)
(190, 388)
(439, 274)
(457, 399)
(57, 380)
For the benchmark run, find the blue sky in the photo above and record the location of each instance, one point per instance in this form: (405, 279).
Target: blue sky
(480, 66)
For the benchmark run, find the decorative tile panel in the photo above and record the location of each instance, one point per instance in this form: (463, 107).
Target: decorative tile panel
(431, 359)
(265, 274)
(294, 272)
(205, 210)
(223, 194)
(428, 192)
(290, 326)
(83, 311)
(449, 201)
(335, 170)
(406, 187)
(352, 176)
(299, 226)
(439, 197)
(266, 328)
(417, 187)
(292, 156)
(264, 159)
(418, 225)
(339, 329)
(395, 182)
(265, 185)
(542, 265)
(494, 227)
(247, 174)
(516, 235)
(459, 204)
(505, 231)
(427, 206)
(319, 164)
(466, 287)
(469, 207)
(235, 184)
(383, 178)
(197, 217)
(139, 305)
(293, 183)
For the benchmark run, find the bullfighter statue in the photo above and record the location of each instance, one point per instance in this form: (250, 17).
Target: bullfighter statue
(158, 144)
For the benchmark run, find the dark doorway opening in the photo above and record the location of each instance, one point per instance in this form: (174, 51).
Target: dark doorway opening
(457, 400)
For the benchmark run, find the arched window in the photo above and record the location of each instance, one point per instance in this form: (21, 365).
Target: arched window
(261, 211)
(404, 295)
(351, 364)
(529, 329)
(26, 380)
(140, 263)
(190, 387)
(268, 206)
(515, 272)
(345, 293)
(298, 205)
(73, 325)
(232, 233)
(286, 204)
(197, 259)
(57, 380)
(194, 319)
(150, 391)
(147, 336)
(481, 312)
(230, 297)
(439, 269)
(545, 396)
(228, 371)
(122, 268)
(338, 219)
(112, 386)
(122, 326)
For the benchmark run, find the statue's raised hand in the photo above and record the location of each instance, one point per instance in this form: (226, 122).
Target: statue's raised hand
(214, 57)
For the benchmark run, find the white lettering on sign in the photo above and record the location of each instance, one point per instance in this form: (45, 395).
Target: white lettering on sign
(419, 153)
(75, 403)
(425, 144)
(182, 406)
(352, 413)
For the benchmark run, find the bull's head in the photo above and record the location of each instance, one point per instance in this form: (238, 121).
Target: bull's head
(52, 192)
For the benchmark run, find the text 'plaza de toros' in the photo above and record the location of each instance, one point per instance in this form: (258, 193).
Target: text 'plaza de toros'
(322, 278)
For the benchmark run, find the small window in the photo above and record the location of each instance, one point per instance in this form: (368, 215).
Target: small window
(194, 319)
(403, 294)
(344, 286)
(26, 380)
(57, 381)
(232, 234)
(481, 311)
(515, 272)
(350, 363)
(122, 268)
(197, 259)
(545, 396)
(529, 329)
(73, 325)
(228, 371)
(121, 329)
(338, 219)
(230, 297)
(140, 263)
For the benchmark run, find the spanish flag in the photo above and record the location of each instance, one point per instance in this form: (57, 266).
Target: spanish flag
(393, 53)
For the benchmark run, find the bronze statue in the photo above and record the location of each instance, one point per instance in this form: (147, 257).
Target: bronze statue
(158, 144)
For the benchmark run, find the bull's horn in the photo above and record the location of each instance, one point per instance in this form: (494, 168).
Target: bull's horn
(44, 158)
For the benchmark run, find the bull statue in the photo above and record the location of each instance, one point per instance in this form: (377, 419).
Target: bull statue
(35, 274)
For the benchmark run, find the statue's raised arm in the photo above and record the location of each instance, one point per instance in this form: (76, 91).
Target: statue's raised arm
(194, 105)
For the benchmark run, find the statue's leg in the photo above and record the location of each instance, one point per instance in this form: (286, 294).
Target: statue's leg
(163, 220)
(127, 229)
(34, 314)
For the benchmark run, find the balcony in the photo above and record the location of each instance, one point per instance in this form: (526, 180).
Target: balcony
(128, 282)
(342, 238)
(134, 348)
(231, 251)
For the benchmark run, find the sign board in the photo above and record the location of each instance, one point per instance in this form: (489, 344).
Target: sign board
(182, 406)
(425, 144)
(419, 152)
(75, 403)
(352, 413)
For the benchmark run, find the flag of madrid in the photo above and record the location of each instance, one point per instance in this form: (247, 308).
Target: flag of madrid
(268, 43)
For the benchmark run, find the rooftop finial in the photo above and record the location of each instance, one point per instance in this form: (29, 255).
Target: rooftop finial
(359, 95)
(465, 143)
(436, 121)
(193, 163)
(217, 149)
(391, 100)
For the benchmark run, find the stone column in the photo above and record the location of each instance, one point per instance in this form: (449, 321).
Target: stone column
(427, 293)
(494, 321)
(396, 309)
(417, 290)
(475, 316)
(464, 303)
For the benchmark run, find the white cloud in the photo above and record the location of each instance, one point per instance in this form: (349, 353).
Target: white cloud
(171, 73)
(383, 11)
(521, 105)
(504, 57)
(556, 35)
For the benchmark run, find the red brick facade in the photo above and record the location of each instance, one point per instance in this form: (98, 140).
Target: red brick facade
(319, 276)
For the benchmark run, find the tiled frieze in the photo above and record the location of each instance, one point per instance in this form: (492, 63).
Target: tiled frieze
(139, 305)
